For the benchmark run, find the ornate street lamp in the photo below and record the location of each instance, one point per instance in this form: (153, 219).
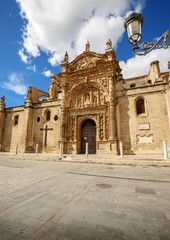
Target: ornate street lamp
(133, 24)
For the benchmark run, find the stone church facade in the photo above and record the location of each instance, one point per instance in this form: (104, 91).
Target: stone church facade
(90, 102)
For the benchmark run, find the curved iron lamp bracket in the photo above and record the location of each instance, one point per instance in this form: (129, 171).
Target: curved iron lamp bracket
(151, 46)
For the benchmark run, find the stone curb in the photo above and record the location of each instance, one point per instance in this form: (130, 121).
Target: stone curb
(95, 160)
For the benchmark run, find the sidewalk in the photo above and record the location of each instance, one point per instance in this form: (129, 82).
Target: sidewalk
(139, 160)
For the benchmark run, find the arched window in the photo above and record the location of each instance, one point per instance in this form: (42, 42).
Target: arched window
(140, 106)
(48, 115)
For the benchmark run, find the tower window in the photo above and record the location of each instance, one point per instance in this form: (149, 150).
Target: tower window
(48, 115)
(16, 118)
(55, 118)
(140, 106)
(38, 119)
(149, 82)
(132, 85)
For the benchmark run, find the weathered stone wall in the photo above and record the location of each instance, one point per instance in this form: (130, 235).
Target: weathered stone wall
(12, 134)
(40, 111)
(144, 133)
(148, 131)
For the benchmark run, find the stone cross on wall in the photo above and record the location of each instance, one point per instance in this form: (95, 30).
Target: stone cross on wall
(46, 129)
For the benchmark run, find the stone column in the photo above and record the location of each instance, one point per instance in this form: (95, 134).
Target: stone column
(113, 135)
(112, 123)
(27, 129)
(62, 124)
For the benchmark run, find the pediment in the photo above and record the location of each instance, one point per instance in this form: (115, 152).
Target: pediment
(86, 60)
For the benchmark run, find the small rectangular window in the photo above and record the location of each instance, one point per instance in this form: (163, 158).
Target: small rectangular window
(16, 118)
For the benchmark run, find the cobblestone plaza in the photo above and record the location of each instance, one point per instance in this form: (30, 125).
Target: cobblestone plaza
(64, 201)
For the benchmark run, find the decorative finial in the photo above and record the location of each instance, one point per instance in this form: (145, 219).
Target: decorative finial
(169, 64)
(2, 104)
(87, 46)
(66, 57)
(53, 76)
(29, 94)
(2, 99)
(109, 44)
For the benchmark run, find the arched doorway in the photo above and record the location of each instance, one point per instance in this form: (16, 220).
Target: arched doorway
(88, 135)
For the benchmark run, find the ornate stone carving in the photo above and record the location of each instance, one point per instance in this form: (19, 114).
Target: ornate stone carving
(103, 81)
(86, 62)
(73, 134)
(106, 125)
(101, 126)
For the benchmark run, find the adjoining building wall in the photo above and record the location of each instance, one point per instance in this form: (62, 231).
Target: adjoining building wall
(13, 128)
(40, 122)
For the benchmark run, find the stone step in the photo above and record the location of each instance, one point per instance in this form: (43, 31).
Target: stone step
(98, 159)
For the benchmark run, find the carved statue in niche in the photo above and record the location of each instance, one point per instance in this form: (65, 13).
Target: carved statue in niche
(87, 99)
(95, 97)
(95, 100)
(102, 99)
(73, 103)
(53, 90)
(79, 102)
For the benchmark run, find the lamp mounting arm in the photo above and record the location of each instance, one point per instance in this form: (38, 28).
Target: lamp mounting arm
(151, 46)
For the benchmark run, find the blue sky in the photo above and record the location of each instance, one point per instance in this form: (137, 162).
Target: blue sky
(35, 35)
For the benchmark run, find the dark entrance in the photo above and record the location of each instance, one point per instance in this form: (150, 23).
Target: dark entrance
(88, 135)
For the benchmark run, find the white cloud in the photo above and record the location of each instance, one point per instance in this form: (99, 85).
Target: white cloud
(57, 26)
(33, 68)
(140, 65)
(16, 83)
(23, 56)
(47, 73)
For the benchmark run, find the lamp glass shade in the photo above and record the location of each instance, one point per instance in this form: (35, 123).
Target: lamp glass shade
(134, 31)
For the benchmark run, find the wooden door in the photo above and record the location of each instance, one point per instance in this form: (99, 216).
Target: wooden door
(88, 135)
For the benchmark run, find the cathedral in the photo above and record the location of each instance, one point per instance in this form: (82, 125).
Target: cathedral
(90, 102)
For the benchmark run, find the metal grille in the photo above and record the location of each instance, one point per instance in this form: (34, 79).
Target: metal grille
(145, 191)
(104, 185)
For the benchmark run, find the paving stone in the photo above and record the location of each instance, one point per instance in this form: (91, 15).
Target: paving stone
(46, 216)
(5, 235)
(85, 234)
(17, 217)
(49, 236)
(67, 231)
(33, 222)
(27, 231)
(13, 226)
